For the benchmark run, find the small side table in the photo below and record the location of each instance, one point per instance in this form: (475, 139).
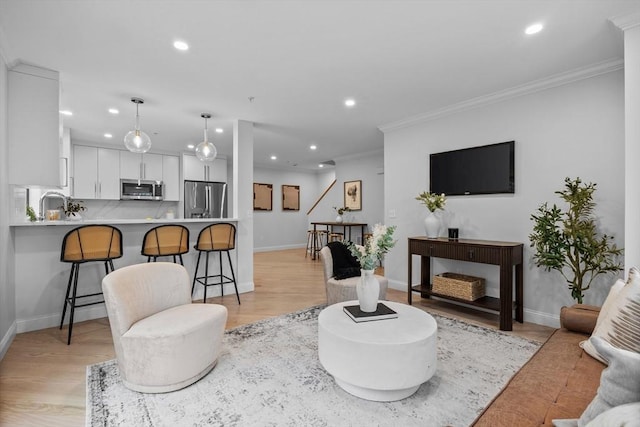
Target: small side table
(381, 360)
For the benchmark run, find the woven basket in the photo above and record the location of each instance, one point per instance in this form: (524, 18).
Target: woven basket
(459, 286)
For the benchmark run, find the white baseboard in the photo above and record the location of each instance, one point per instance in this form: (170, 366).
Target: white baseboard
(531, 316)
(214, 291)
(99, 311)
(7, 340)
(49, 321)
(280, 248)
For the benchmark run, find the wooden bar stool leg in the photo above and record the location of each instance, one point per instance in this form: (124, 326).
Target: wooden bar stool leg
(221, 276)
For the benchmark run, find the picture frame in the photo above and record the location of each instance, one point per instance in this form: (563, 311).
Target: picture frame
(290, 197)
(262, 197)
(353, 195)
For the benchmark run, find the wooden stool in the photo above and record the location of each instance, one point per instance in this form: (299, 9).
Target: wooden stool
(319, 236)
(336, 237)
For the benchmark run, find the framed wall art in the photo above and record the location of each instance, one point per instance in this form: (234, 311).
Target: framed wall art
(262, 197)
(353, 195)
(290, 197)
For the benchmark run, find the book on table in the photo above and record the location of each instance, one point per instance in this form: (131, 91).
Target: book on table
(382, 312)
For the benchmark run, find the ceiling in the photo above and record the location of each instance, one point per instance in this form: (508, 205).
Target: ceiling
(288, 66)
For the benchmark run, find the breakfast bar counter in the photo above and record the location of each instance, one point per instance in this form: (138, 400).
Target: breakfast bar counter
(41, 278)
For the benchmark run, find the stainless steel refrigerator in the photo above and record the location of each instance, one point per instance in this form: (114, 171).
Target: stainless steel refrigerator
(203, 199)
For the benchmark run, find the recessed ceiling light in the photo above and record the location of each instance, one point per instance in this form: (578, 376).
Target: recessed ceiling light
(320, 165)
(350, 102)
(534, 28)
(274, 157)
(108, 135)
(312, 147)
(114, 111)
(66, 113)
(191, 146)
(219, 130)
(180, 45)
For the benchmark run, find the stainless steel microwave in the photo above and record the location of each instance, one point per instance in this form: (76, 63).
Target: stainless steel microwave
(133, 189)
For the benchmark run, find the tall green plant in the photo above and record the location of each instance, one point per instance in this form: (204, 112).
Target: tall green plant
(568, 241)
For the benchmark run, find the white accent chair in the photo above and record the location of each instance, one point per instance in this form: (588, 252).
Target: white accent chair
(345, 289)
(162, 341)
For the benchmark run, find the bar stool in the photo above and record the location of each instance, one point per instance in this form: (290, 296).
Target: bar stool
(219, 237)
(320, 238)
(335, 237)
(166, 240)
(88, 243)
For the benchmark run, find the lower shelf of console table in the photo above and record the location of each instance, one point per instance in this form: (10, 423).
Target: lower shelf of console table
(506, 255)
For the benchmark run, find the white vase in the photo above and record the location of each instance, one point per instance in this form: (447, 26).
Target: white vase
(368, 290)
(74, 216)
(339, 218)
(432, 225)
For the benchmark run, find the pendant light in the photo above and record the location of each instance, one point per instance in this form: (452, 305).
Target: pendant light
(137, 141)
(206, 151)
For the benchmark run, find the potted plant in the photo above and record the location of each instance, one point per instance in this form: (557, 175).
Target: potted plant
(568, 240)
(433, 202)
(341, 211)
(73, 208)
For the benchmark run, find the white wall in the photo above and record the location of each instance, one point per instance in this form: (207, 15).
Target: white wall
(278, 229)
(7, 288)
(366, 167)
(572, 130)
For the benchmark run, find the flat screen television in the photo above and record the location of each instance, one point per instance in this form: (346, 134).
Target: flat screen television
(488, 169)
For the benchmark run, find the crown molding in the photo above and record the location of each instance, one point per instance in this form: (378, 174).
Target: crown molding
(626, 22)
(361, 155)
(555, 80)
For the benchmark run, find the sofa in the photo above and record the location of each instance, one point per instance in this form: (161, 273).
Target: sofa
(587, 374)
(558, 382)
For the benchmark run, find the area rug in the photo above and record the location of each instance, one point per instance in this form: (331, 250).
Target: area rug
(269, 375)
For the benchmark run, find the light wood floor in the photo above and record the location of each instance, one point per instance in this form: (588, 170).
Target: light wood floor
(42, 380)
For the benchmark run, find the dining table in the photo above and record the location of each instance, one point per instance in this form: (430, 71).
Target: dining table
(346, 229)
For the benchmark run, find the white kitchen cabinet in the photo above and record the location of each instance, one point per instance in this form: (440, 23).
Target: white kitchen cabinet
(195, 170)
(34, 131)
(171, 178)
(96, 173)
(137, 166)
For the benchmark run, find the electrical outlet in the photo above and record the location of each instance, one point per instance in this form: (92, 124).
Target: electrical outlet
(392, 213)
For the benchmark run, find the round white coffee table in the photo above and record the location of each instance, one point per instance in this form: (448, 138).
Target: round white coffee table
(381, 360)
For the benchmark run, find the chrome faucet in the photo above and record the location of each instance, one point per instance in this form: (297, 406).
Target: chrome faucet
(50, 194)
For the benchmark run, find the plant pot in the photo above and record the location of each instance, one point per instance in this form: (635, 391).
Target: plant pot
(432, 225)
(339, 218)
(368, 290)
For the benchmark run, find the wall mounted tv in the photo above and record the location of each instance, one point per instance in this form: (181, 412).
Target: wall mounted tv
(488, 169)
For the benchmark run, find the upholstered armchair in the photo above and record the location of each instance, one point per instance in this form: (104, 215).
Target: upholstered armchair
(162, 341)
(345, 289)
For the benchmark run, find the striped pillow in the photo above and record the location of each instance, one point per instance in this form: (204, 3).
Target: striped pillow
(620, 323)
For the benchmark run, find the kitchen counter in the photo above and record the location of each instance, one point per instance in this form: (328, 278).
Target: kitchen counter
(77, 223)
(41, 278)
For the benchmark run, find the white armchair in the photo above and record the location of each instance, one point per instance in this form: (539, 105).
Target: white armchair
(162, 341)
(345, 289)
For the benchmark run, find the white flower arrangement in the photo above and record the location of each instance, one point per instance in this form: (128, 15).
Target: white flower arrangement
(375, 246)
(432, 201)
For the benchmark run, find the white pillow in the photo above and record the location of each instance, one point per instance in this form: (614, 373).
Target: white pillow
(619, 382)
(598, 330)
(619, 416)
(616, 322)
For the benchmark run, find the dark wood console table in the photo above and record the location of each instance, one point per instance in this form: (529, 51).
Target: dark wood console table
(504, 254)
